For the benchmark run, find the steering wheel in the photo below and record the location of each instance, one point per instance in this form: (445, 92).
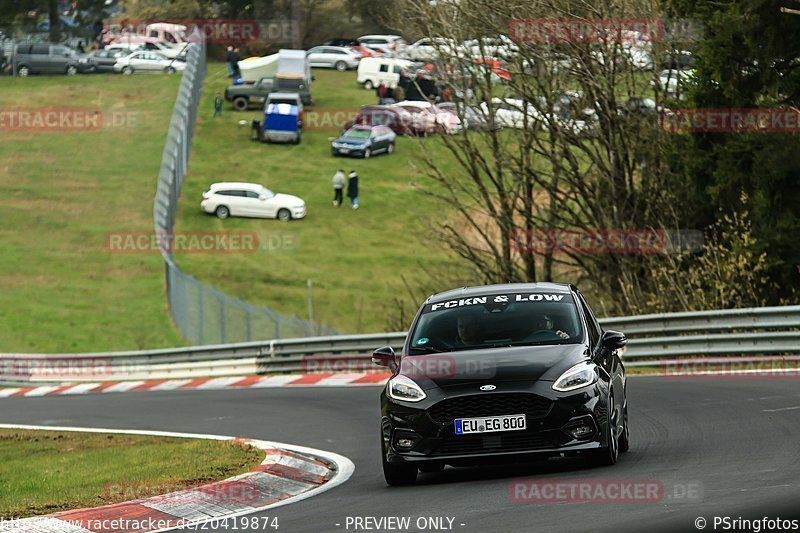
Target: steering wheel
(543, 334)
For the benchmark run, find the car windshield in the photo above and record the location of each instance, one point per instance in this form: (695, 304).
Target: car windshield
(357, 134)
(263, 191)
(519, 319)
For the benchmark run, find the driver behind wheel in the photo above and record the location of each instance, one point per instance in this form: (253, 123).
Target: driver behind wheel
(546, 323)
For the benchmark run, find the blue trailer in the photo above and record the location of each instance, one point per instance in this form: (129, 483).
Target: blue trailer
(283, 114)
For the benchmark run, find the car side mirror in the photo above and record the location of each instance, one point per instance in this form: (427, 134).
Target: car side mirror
(262, 197)
(385, 357)
(613, 340)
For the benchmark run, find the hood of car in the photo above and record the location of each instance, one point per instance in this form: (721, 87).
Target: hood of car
(288, 199)
(350, 141)
(518, 363)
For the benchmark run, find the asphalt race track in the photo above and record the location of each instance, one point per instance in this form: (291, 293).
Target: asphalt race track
(718, 447)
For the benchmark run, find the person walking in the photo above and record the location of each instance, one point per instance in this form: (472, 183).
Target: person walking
(382, 91)
(235, 63)
(339, 180)
(218, 104)
(229, 61)
(352, 189)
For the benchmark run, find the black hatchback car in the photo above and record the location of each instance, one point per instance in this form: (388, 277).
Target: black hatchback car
(502, 373)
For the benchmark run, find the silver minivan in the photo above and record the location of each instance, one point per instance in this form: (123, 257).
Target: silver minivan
(47, 58)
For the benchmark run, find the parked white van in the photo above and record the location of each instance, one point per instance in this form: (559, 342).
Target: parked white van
(374, 70)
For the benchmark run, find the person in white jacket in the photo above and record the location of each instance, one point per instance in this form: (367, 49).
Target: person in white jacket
(339, 180)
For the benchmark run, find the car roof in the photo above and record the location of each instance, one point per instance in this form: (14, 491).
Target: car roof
(481, 290)
(234, 185)
(275, 96)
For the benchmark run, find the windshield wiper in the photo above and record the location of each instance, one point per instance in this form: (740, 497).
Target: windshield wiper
(426, 349)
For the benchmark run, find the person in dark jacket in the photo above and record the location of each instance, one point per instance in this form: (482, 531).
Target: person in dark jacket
(352, 188)
(229, 61)
(235, 63)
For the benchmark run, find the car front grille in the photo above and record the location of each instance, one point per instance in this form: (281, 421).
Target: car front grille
(516, 442)
(490, 404)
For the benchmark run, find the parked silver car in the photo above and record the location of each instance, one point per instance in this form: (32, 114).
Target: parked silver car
(337, 57)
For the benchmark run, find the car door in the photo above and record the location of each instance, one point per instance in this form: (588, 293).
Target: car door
(254, 206)
(315, 56)
(235, 201)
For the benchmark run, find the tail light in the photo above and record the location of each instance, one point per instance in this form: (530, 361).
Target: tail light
(206, 195)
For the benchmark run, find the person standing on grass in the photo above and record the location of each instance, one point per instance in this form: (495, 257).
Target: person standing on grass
(229, 61)
(382, 92)
(352, 189)
(339, 180)
(218, 105)
(235, 63)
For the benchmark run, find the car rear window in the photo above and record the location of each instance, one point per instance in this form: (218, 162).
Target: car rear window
(495, 320)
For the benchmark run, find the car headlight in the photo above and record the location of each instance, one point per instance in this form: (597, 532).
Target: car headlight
(336, 145)
(580, 375)
(83, 60)
(403, 388)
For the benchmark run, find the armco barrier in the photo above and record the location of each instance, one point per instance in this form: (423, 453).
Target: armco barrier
(694, 337)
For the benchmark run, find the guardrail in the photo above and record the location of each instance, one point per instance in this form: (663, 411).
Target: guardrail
(654, 340)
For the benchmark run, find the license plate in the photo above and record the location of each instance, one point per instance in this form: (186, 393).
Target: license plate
(344, 150)
(489, 424)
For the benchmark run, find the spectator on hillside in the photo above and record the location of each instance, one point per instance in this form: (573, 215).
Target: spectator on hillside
(218, 104)
(229, 61)
(339, 180)
(352, 189)
(381, 92)
(235, 63)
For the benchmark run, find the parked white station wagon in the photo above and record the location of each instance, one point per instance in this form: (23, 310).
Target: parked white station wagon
(251, 200)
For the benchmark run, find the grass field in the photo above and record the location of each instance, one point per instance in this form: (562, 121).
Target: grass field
(355, 259)
(62, 192)
(47, 471)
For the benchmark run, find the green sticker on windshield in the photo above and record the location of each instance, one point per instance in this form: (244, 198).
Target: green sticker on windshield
(423, 340)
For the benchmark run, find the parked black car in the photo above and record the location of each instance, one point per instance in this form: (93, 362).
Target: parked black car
(104, 60)
(364, 141)
(502, 373)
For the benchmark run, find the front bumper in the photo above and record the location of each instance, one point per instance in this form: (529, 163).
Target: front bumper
(299, 212)
(550, 416)
(352, 151)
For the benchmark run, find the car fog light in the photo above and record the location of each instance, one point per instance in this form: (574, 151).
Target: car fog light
(581, 431)
(405, 443)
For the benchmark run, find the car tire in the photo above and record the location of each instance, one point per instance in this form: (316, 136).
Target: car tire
(23, 71)
(169, 70)
(284, 215)
(397, 475)
(368, 85)
(240, 103)
(341, 66)
(390, 149)
(367, 153)
(127, 70)
(222, 212)
(71, 70)
(625, 437)
(607, 455)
